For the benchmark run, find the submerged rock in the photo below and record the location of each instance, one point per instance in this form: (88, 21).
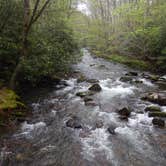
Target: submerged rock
(87, 99)
(99, 124)
(74, 123)
(138, 81)
(132, 73)
(111, 129)
(81, 79)
(84, 94)
(91, 103)
(95, 88)
(93, 81)
(157, 114)
(158, 122)
(159, 98)
(126, 79)
(124, 112)
(153, 109)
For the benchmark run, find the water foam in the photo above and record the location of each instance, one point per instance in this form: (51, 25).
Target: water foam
(97, 142)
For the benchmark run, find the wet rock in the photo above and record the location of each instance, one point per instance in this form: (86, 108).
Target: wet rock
(81, 79)
(91, 103)
(151, 77)
(84, 94)
(132, 73)
(99, 124)
(138, 81)
(161, 84)
(153, 109)
(124, 112)
(159, 98)
(74, 123)
(123, 118)
(93, 81)
(157, 114)
(101, 66)
(158, 122)
(154, 77)
(87, 99)
(19, 157)
(95, 88)
(92, 65)
(111, 129)
(126, 79)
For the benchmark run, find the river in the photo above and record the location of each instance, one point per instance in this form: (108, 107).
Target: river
(45, 140)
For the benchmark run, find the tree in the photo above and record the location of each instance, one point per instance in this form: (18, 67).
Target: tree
(29, 19)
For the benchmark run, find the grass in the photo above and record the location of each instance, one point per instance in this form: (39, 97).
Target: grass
(127, 60)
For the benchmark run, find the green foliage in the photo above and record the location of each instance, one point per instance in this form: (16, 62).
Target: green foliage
(51, 45)
(9, 100)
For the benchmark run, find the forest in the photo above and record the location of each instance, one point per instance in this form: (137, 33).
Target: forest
(103, 60)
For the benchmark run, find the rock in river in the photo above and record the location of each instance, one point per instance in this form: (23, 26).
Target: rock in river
(159, 98)
(95, 88)
(74, 122)
(157, 114)
(158, 122)
(124, 112)
(126, 79)
(111, 129)
(84, 94)
(132, 73)
(153, 109)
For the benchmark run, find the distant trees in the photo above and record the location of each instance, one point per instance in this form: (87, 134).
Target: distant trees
(128, 27)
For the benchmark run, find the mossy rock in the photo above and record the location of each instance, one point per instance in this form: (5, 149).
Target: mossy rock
(84, 94)
(157, 114)
(95, 88)
(126, 79)
(81, 79)
(9, 100)
(153, 109)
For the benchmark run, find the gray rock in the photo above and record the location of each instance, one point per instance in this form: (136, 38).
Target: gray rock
(126, 79)
(132, 73)
(111, 129)
(74, 123)
(158, 122)
(159, 98)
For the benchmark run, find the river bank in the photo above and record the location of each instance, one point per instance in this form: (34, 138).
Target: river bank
(96, 118)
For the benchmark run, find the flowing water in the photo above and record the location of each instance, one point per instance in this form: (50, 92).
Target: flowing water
(46, 141)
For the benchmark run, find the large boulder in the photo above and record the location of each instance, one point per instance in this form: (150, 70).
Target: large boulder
(74, 122)
(152, 109)
(95, 88)
(157, 114)
(158, 122)
(159, 98)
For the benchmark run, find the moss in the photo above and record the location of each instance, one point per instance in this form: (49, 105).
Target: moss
(129, 61)
(157, 114)
(9, 99)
